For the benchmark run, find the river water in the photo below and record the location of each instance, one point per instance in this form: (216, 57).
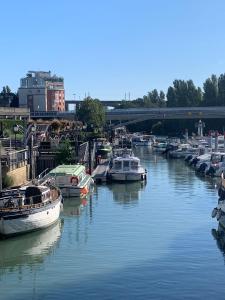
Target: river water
(127, 241)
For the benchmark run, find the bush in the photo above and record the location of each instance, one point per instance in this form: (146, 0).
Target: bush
(55, 125)
(7, 181)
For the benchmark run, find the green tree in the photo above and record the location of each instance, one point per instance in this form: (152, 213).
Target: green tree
(162, 99)
(65, 154)
(7, 98)
(221, 89)
(210, 91)
(92, 113)
(183, 93)
(171, 97)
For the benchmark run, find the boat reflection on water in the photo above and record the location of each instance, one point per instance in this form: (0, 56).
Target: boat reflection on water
(74, 206)
(29, 249)
(219, 236)
(127, 193)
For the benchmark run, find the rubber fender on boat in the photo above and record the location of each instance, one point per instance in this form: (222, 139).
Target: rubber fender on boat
(218, 215)
(84, 190)
(221, 193)
(214, 212)
(215, 234)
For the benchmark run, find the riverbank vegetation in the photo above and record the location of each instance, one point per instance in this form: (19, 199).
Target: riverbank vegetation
(182, 93)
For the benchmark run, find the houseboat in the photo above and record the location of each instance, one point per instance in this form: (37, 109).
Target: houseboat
(29, 208)
(72, 180)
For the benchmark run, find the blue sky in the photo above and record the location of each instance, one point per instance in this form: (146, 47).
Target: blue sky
(109, 48)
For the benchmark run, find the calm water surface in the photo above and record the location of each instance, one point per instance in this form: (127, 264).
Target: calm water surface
(127, 241)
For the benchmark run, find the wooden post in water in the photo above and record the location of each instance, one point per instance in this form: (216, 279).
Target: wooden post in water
(89, 156)
(216, 141)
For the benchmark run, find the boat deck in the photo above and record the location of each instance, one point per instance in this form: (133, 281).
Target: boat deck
(100, 173)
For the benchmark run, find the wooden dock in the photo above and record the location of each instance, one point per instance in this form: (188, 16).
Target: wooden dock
(100, 173)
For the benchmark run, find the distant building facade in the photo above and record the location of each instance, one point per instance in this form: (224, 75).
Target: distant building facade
(40, 91)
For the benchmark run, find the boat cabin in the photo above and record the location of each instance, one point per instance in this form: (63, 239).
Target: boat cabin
(126, 164)
(27, 195)
(65, 175)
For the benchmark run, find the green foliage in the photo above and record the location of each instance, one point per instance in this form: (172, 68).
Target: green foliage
(65, 154)
(7, 98)
(183, 93)
(210, 94)
(221, 89)
(55, 125)
(7, 181)
(152, 99)
(92, 112)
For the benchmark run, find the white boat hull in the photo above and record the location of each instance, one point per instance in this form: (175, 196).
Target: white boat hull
(144, 143)
(127, 176)
(34, 221)
(76, 191)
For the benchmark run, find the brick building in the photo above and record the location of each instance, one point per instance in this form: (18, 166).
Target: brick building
(40, 91)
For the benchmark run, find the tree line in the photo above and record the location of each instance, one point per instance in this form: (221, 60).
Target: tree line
(183, 93)
(8, 98)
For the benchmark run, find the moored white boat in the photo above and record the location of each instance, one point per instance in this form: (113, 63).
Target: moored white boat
(219, 211)
(126, 168)
(141, 141)
(29, 208)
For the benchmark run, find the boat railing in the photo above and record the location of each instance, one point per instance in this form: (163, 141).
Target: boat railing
(15, 203)
(27, 206)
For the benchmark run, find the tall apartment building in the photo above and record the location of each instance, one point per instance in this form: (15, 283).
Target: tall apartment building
(40, 91)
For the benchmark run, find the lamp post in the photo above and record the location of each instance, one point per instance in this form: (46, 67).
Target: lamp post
(78, 129)
(16, 130)
(200, 126)
(89, 149)
(33, 130)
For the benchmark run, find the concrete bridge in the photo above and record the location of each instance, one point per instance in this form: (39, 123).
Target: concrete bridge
(135, 115)
(53, 114)
(112, 103)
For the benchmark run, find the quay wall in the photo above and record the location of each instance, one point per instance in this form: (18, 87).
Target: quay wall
(19, 175)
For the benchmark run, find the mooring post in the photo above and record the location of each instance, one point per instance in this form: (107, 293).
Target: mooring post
(89, 156)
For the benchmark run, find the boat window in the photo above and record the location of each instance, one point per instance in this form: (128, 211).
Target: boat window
(126, 165)
(117, 165)
(216, 158)
(134, 165)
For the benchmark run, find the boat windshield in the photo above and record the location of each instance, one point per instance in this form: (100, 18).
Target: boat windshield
(216, 158)
(126, 165)
(118, 165)
(134, 165)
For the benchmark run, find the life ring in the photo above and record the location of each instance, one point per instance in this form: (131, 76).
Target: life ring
(74, 180)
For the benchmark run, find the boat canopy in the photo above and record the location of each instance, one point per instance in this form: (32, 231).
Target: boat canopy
(71, 170)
